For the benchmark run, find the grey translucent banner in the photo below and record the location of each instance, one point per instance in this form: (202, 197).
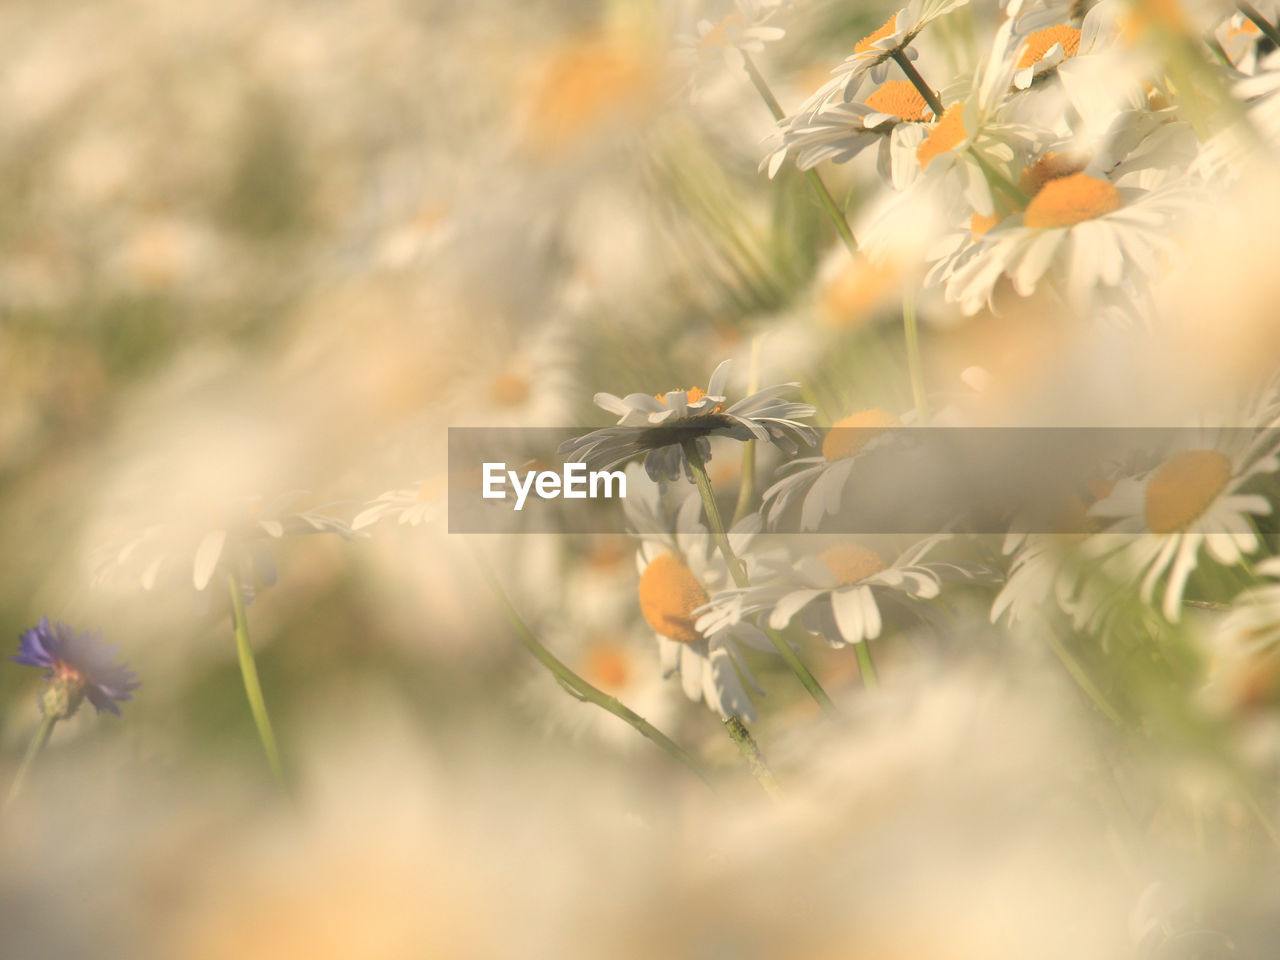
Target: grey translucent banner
(908, 480)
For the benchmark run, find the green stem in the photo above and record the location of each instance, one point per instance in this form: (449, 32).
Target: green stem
(755, 759)
(738, 570)
(575, 685)
(994, 177)
(252, 687)
(998, 180)
(865, 667)
(38, 740)
(1082, 679)
(917, 81)
(911, 332)
(747, 484)
(1261, 22)
(827, 201)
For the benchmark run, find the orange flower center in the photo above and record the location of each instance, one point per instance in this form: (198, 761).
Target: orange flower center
(947, 134)
(1183, 488)
(692, 395)
(856, 289)
(1070, 200)
(846, 437)
(1038, 44)
(851, 563)
(1051, 166)
(509, 390)
(669, 593)
(900, 99)
(589, 82)
(978, 224)
(863, 45)
(606, 665)
(1247, 27)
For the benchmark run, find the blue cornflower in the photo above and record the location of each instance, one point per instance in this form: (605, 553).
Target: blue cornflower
(78, 666)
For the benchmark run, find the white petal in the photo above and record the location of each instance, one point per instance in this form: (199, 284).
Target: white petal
(207, 555)
(789, 606)
(847, 607)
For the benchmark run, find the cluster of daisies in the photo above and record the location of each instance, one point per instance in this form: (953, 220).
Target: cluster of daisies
(1062, 161)
(1139, 529)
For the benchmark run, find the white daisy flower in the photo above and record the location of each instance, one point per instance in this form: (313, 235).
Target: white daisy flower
(680, 567)
(620, 663)
(892, 116)
(820, 480)
(425, 503)
(1242, 41)
(1246, 643)
(837, 593)
(872, 53)
(1194, 499)
(745, 30)
(232, 539)
(1080, 231)
(656, 425)
(972, 147)
(1046, 564)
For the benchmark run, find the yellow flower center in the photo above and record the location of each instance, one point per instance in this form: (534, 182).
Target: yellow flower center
(1247, 27)
(846, 437)
(1183, 488)
(1038, 44)
(978, 224)
(509, 390)
(900, 99)
(589, 82)
(692, 395)
(863, 45)
(947, 134)
(669, 593)
(856, 289)
(851, 563)
(1051, 166)
(1071, 200)
(717, 36)
(606, 665)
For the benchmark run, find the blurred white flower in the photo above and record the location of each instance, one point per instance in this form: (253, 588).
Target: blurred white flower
(871, 54)
(837, 593)
(1193, 499)
(680, 568)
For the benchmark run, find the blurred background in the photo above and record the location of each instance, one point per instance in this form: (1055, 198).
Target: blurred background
(256, 257)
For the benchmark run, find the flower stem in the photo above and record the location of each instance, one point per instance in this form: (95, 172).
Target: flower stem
(755, 759)
(994, 177)
(1082, 679)
(911, 332)
(252, 687)
(575, 685)
(38, 740)
(824, 195)
(1261, 22)
(747, 484)
(738, 571)
(865, 667)
(917, 81)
